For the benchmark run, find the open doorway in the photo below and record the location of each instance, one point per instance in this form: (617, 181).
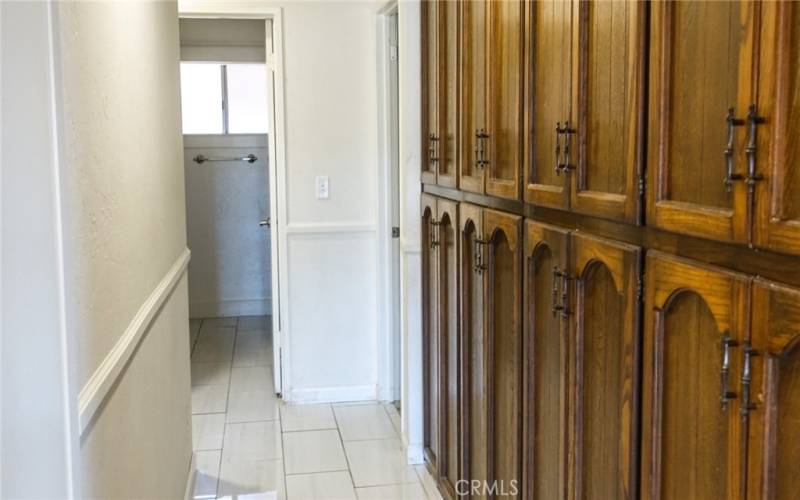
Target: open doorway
(228, 118)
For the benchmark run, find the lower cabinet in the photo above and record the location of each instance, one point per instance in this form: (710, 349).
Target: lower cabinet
(562, 365)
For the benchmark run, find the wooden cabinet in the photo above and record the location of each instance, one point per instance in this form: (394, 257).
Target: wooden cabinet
(702, 57)
(771, 393)
(439, 20)
(504, 74)
(605, 361)
(548, 100)
(501, 232)
(474, 364)
(430, 329)
(777, 210)
(473, 159)
(609, 61)
(545, 344)
(696, 319)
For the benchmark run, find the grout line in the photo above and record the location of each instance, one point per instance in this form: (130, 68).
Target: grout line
(344, 450)
(310, 430)
(227, 402)
(316, 472)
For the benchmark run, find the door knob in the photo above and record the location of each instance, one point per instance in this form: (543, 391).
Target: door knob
(267, 222)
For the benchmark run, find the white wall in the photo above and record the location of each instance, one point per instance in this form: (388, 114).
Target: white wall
(230, 273)
(124, 242)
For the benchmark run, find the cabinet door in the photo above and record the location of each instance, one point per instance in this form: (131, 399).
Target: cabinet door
(701, 66)
(503, 318)
(605, 368)
(610, 54)
(430, 333)
(473, 353)
(473, 95)
(546, 367)
(548, 100)
(504, 59)
(774, 450)
(449, 345)
(448, 80)
(430, 90)
(695, 323)
(777, 219)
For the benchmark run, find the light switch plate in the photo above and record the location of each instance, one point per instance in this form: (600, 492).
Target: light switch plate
(323, 187)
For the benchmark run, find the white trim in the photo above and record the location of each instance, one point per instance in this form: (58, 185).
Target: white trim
(222, 308)
(332, 394)
(414, 454)
(188, 492)
(326, 228)
(242, 9)
(111, 368)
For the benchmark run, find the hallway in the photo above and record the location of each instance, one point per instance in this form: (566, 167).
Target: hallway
(249, 444)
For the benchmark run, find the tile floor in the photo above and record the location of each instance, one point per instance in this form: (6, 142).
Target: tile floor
(249, 445)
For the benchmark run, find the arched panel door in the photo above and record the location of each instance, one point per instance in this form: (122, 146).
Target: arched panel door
(774, 393)
(449, 347)
(430, 332)
(605, 355)
(472, 157)
(545, 345)
(431, 94)
(503, 323)
(473, 353)
(695, 324)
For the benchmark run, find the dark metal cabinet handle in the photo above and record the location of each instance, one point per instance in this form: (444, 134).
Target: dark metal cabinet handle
(555, 295)
(432, 147)
(480, 265)
(481, 137)
(753, 120)
(558, 148)
(726, 394)
(433, 233)
(560, 291)
(730, 176)
(747, 377)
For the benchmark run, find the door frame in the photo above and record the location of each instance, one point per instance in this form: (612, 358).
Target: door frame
(276, 143)
(388, 186)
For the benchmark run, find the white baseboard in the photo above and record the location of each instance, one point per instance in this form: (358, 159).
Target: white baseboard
(188, 492)
(414, 454)
(219, 309)
(332, 394)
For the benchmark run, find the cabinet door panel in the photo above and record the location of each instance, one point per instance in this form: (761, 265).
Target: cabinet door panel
(777, 222)
(448, 80)
(606, 356)
(475, 448)
(504, 59)
(610, 55)
(430, 333)
(691, 440)
(701, 64)
(473, 94)
(548, 98)
(774, 450)
(545, 377)
(430, 89)
(505, 349)
(449, 345)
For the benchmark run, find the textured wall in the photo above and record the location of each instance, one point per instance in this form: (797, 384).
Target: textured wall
(124, 227)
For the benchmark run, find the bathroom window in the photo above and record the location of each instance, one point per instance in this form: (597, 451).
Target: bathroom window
(224, 98)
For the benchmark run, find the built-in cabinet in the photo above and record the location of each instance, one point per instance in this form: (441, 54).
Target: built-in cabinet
(607, 187)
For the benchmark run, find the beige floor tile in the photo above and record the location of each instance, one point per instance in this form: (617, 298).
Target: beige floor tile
(207, 477)
(207, 431)
(306, 417)
(194, 331)
(211, 373)
(253, 441)
(252, 378)
(255, 323)
(252, 406)
(409, 491)
(313, 451)
(209, 398)
(358, 423)
(394, 416)
(253, 349)
(378, 463)
(213, 348)
(210, 323)
(251, 479)
(428, 482)
(320, 486)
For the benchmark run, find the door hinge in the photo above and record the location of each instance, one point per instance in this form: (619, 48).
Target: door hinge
(395, 232)
(393, 53)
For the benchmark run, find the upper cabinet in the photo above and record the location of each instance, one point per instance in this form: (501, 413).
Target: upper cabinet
(702, 117)
(504, 73)
(777, 213)
(607, 161)
(473, 159)
(548, 102)
(440, 91)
